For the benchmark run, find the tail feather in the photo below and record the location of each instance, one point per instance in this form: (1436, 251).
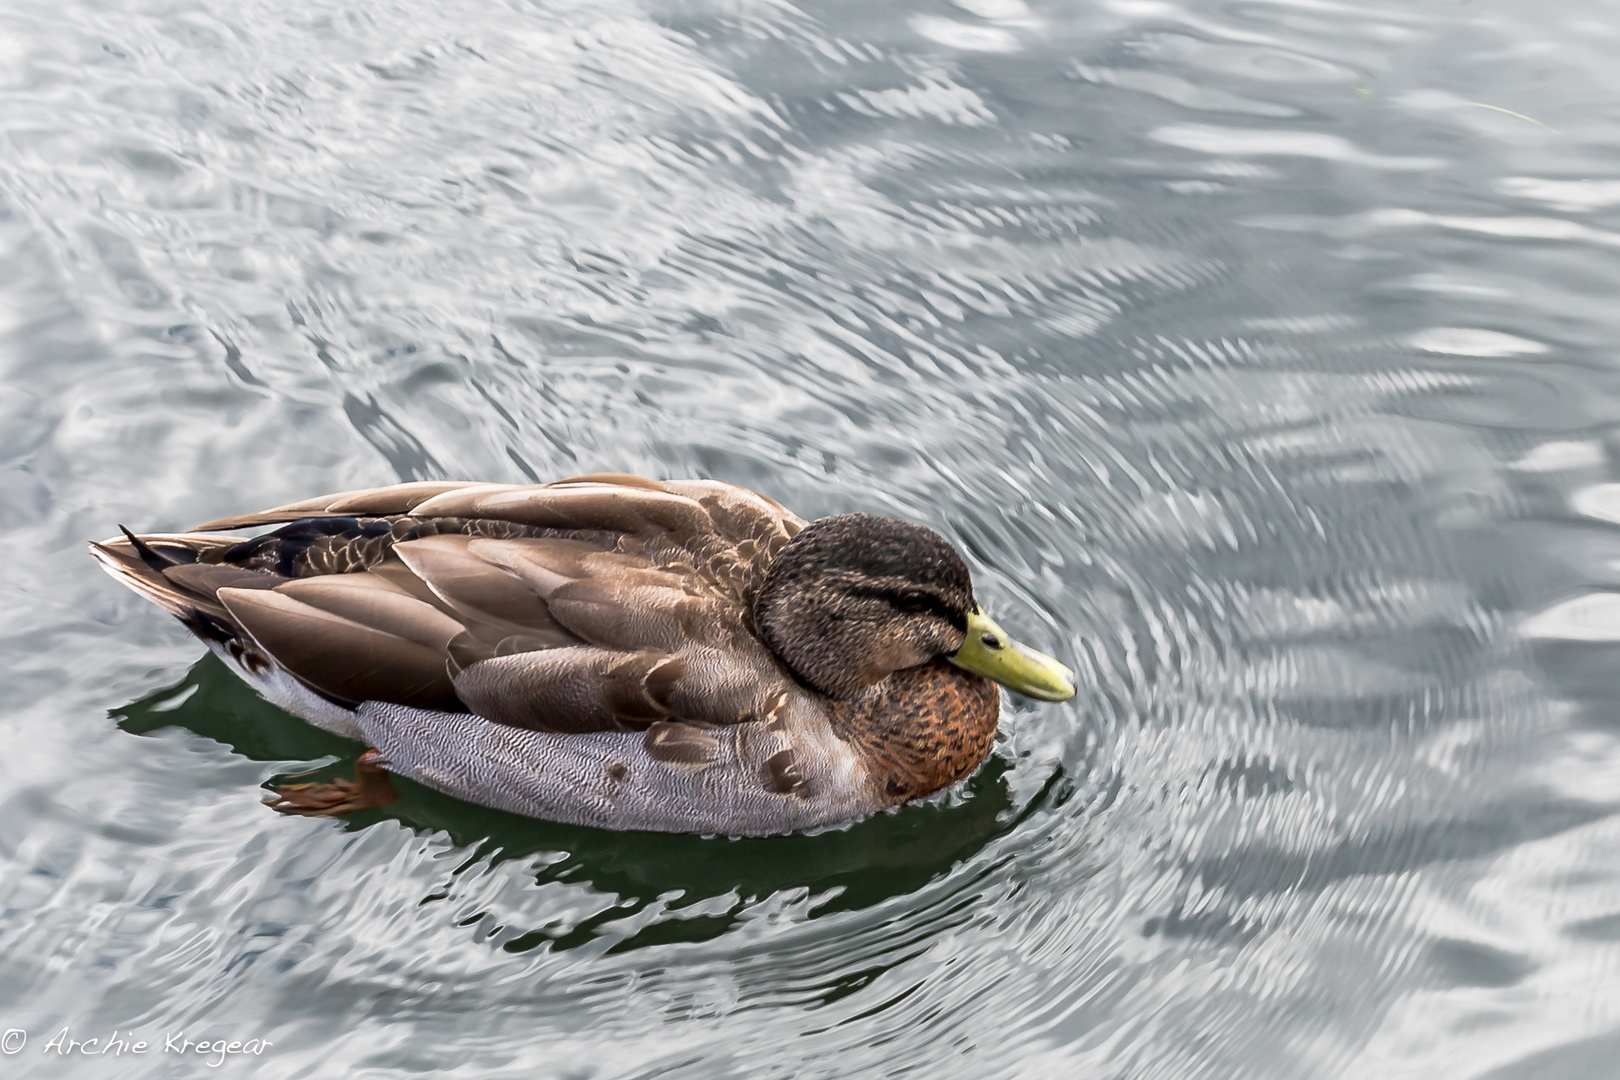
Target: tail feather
(140, 563)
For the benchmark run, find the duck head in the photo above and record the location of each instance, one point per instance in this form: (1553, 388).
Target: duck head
(853, 598)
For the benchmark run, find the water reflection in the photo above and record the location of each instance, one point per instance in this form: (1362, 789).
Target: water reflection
(699, 885)
(1259, 356)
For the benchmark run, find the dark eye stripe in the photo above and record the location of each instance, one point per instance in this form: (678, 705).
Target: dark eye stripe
(912, 603)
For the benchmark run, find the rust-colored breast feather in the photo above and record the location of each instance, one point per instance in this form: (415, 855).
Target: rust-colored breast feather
(922, 729)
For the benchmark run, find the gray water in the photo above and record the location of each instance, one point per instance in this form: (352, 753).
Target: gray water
(1260, 357)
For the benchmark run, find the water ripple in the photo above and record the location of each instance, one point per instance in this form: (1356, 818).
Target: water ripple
(1257, 357)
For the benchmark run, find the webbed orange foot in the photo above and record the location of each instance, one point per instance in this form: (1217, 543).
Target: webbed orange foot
(369, 790)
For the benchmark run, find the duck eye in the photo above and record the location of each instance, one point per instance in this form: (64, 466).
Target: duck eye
(914, 603)
(990, 641)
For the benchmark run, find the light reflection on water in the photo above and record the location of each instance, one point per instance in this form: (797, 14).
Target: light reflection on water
(1258, 360)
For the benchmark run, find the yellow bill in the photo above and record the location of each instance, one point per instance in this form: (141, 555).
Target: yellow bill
(988, 651)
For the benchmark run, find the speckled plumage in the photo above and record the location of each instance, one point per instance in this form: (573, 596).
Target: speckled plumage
(907, 760)
(587, 651)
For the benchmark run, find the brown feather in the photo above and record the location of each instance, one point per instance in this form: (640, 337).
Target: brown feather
(199, 583)
(471, 585)
(124, 565)
(465, 650)
(376, 605)
(205, 579)
(625, 614)
(569, 690)
(394, 499)
(179, 597)
(578, 507)
(338, 657)
(618, 479)
(363, 502)
(783, 774)
(922, 729)
(689, 746)
(549, 563)
(394, 571)
(738, 513)
(364, 581)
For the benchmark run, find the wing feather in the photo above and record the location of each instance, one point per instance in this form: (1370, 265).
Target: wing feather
(546, 564)
(363, 502)
(616, 478)
(575, 507)
(633, 612)
(199, 584)
(338, 656)
(376, 605)
(739, 513)
(205, 579)
(627, 610)
(470, 585)
(568, 690)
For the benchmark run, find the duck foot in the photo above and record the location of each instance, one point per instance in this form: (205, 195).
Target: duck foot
(369, 790)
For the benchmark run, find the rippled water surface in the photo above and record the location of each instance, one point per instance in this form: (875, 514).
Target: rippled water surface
(1260, 356)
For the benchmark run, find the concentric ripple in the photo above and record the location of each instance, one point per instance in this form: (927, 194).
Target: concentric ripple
(1258, 357)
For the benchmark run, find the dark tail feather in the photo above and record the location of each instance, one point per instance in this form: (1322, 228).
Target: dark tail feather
(176, 555)
(140, 564)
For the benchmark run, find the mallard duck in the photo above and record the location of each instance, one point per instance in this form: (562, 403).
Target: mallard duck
(607, 650)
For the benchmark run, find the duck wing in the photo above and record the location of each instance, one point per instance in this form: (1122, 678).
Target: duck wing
(603, 602)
